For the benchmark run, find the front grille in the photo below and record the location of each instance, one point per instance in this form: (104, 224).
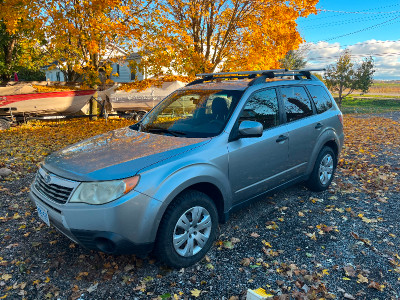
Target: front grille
(52, 191)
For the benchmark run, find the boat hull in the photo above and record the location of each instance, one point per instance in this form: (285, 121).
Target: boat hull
(138, 103)
(53, 103)
(144, 100)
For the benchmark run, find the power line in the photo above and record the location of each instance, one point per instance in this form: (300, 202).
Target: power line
(341, 15)
(315, 44)
(355, 55)
(343, 22)
(361, 30)
(360, 12)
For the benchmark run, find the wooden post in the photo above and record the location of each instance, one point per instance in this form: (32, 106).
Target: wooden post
(93, 105)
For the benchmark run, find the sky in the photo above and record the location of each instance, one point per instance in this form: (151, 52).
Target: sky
(367, 28)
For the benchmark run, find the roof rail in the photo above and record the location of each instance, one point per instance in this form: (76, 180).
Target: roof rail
(263, 75)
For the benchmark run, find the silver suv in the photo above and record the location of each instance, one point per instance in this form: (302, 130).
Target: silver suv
(163, 184)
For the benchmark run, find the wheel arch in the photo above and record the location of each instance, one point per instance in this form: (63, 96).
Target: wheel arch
(206, 186)
(328, 138)
(211, 191)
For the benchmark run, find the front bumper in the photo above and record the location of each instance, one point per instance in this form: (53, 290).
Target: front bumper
(126, 225)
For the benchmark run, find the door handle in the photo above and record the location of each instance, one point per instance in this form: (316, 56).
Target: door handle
(282, 138)
(319, 126)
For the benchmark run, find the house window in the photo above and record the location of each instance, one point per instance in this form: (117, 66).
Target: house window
(118, 69)
(133, 75)
(58, 76)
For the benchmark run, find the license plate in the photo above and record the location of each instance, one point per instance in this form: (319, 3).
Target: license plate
(42, 212)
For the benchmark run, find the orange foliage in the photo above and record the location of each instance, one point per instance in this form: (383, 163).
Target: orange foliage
(191, 37)
(24, 35)
(369, 140)
(82, 33)
(81, 36)
(23, 147)
(56, 88)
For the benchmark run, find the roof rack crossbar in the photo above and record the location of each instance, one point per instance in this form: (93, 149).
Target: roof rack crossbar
(240, 73)
(290, 74)
(262, 78)
(198, 81)
(306, 70)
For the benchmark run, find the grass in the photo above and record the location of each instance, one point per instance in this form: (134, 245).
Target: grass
(385, 87)
(390, 88)
(369, 105)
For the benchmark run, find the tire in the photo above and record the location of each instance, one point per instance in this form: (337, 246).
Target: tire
(139, 115)
(174, 224)
(324, 170)
(4, 124)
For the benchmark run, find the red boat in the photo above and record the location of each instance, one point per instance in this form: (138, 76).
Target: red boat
(52, 103)
(20, 106)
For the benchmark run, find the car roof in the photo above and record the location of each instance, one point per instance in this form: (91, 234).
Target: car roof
(243, 84)
(242, 80)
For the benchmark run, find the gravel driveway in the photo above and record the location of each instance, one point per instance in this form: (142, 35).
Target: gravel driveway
(296, 244)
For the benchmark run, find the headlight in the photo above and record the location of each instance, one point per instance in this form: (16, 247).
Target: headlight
(100, 192)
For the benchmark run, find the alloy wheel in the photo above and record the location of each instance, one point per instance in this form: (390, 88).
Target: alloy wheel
(326, 169)
(192, 231)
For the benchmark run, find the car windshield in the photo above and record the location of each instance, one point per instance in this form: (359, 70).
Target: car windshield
(192, 113)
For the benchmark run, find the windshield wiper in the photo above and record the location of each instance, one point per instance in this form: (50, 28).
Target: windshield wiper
(164, 130)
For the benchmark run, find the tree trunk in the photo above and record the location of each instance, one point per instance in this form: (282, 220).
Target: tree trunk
(339, 102)
(8, 50)
(93, 101)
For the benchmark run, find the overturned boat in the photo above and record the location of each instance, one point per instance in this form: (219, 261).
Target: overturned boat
(134, 101)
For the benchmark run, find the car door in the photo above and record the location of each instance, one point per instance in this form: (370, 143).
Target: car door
(257, 164)
(304, 127)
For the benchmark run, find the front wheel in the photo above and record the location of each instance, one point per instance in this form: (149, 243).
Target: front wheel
(324, 169)
(187, 230)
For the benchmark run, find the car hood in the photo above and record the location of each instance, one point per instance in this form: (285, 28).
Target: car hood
(117, 154)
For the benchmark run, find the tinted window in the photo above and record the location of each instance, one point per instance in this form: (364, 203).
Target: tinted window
(297, 103)
(262, 107)
(321, 98)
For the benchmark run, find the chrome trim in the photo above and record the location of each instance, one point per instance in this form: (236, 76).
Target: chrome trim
(53, 188)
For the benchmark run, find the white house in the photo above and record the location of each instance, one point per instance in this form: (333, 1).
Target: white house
(121, 67)
(53, 74)
(126, 74)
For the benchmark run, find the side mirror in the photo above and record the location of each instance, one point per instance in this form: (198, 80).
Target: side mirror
(249, 129)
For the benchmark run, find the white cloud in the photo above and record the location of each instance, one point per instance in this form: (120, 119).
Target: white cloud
(386, 55)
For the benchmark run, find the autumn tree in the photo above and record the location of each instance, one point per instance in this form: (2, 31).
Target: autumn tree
(192, 36)
(21, 37)
(83, 35)
(345, 76)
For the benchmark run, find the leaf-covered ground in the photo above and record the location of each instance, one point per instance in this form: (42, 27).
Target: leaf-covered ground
(343, 243)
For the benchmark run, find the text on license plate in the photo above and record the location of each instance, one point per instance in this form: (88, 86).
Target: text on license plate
(42, 212)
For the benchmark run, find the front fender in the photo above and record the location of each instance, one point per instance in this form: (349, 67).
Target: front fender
(185, 177)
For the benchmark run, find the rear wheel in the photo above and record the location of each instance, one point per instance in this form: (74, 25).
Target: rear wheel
(187, 230)
(324, 169)
(4, 124)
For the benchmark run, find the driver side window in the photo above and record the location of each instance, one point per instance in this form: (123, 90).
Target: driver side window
(262, 106)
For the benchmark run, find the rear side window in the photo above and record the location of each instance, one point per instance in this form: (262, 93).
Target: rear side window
(321, 98)
(262, 107)
(297, 103)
